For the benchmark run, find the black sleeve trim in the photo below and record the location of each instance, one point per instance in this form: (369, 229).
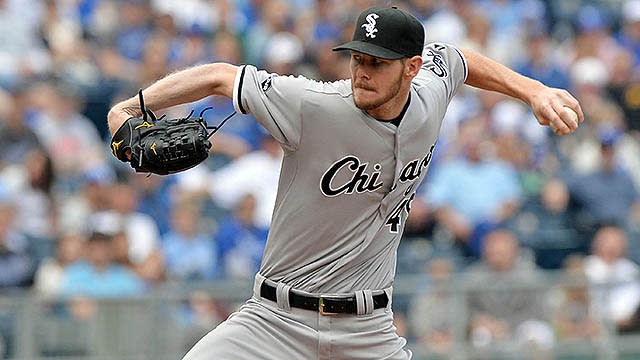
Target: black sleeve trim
(242, 110)
(464, 64)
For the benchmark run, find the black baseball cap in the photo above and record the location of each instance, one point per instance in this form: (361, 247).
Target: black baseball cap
(386, 33)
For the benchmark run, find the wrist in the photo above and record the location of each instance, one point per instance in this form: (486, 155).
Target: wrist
(120, 113)
(531, 90)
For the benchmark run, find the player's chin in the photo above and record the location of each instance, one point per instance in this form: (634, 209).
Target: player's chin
(365, 101)
(364, 105)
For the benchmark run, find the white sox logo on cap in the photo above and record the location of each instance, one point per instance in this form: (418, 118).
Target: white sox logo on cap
(371, 26)
(386, 33)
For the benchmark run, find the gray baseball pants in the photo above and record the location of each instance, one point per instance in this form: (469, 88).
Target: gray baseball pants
(263, 329)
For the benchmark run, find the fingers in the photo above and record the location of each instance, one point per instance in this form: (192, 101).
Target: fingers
(555, 122)
(566, 116)
(572, 103)
(556, 111)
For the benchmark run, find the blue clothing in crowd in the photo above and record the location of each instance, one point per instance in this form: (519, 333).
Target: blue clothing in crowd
(157, 203)
(241, 244)
(631, 45)
(82, 279)
(190, 258)
(604, 196)
(548, 74)
(15, 268)
(474, 189)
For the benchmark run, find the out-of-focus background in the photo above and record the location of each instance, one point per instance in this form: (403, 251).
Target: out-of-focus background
(520, 243)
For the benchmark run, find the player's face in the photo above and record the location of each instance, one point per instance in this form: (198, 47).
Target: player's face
(374, 81)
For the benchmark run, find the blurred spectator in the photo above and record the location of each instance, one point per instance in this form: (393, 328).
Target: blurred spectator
(35, 215)
(100, 19)
(140, 229)
(16, 139)
(133, 31)
(233, 16)
(606, 194)
(326, 22)
(99, 276)
(255, 173)
(151, 269)
(629, 34)
(240, 241)
(62, 35)
(50, 273)
(538, 64)
(16, 266)
(573, 314)
(593, 34)
(195, 49)
(624, 89)
(227, 48)
(633, 229)
(274, 18)
(155, 198)
(545, 224)
(116, 76)
(74, 211)
(500, 313)
(507, 17)
(519, 140)
(432, 314)
(479, 38)
(614, 278)
(155, 57)
(188, 253)
(283, 52)
(69, 137)
(190, 15)
(21, 54)
(589, 77)
(331, 65)
(491, 187)
(608, 126)
(449, 23)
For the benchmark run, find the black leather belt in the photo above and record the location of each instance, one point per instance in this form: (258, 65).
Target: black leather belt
(325, 305)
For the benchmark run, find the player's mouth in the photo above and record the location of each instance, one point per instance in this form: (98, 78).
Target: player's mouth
(361, 86)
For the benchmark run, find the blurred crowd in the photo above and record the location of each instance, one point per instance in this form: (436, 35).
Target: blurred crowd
(504, 197)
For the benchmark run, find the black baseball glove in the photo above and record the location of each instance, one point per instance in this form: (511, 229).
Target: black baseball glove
(163, 146)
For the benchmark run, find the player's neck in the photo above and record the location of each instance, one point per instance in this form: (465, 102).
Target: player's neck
(392, 108)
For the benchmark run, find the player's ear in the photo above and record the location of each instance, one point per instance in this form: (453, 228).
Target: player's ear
(412, 66)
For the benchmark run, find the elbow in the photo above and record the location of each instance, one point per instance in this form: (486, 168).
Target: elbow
(222, 77)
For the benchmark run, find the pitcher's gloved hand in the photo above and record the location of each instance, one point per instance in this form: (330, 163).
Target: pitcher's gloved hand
(162, 146)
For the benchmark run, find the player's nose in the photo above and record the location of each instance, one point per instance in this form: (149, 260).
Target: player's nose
(361, 73)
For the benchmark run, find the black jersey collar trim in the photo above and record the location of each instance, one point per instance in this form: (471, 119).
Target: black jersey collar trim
(396, 121)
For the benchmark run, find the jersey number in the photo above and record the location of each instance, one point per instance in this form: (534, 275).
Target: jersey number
(404, 206)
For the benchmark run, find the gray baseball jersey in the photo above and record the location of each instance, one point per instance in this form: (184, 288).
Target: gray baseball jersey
(347, 179)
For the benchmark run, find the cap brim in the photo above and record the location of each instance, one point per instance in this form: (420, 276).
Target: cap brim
(370, 49)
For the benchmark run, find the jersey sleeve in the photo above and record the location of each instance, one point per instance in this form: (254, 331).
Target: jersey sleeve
(446, 63)
(273, 100)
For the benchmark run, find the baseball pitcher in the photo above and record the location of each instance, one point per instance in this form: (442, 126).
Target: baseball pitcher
(355, 152)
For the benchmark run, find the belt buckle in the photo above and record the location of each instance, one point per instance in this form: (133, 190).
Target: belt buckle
(321, 308)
